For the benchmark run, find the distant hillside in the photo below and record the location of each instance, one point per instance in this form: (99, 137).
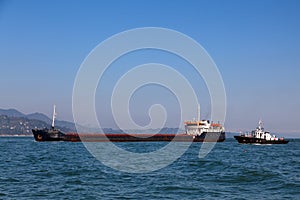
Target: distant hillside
(40, 117)
(11, 113)
(13, 122)
(22, 125)
(231, 134)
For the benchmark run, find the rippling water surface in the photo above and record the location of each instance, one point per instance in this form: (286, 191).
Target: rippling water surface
(64, 170)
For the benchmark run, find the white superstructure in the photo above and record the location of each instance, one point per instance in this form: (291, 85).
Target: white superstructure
(260, 133)
(197, 127)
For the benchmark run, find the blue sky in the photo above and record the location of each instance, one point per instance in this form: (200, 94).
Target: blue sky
(255, 44)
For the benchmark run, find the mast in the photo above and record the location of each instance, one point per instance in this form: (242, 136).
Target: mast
(53, 117)
(260, 124)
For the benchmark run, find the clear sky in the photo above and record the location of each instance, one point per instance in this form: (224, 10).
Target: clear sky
(255, 44)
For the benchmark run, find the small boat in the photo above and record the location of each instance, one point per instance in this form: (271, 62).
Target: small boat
(260, 136)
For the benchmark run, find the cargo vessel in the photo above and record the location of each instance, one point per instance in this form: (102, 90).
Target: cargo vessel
(195, 131)
(260, 136)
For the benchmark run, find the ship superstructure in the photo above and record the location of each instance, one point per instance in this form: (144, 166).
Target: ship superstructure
(198, 127)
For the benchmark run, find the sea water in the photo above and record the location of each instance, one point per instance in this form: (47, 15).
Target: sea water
(66, 170)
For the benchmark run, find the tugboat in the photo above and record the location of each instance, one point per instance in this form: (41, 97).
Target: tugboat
(260, 136)
(46, 134)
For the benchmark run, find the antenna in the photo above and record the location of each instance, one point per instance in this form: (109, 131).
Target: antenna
(53, 116)
(260, 123)
(198, 113)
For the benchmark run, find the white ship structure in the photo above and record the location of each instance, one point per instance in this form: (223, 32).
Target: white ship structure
(205, 129)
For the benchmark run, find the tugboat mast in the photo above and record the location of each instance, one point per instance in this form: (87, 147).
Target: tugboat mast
(260, 125)
(53, 117)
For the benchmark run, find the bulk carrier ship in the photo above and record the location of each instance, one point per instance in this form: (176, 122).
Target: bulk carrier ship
(195, 131)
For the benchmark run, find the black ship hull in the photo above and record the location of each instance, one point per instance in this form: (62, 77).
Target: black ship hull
(253, 140)
(47, 135)
(55, 135)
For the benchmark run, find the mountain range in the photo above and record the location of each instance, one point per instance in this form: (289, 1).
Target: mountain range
(37, 116)
(14, 122)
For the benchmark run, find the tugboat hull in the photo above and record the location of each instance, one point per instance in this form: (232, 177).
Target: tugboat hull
(252, 140)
